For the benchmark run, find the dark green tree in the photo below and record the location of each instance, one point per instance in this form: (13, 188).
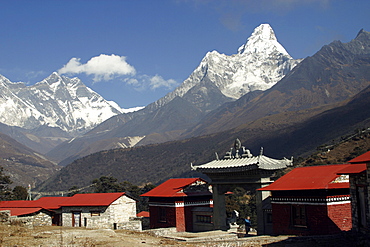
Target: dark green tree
(5, 191)
(143, 204)
(106, 184)
(244, 202)
(19, 193)
(73, 190)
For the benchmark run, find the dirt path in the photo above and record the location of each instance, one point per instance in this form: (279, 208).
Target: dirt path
(72, 237)
(63, 236)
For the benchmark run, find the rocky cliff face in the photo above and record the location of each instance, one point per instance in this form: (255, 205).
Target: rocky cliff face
(335, 73)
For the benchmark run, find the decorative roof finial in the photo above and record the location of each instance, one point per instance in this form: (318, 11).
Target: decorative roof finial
(237, 144)
(261, 151)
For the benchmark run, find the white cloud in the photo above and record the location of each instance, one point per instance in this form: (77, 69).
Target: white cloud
(131, 81)
(107, 67)
(157, 81)
(103, 67)
(143, 82)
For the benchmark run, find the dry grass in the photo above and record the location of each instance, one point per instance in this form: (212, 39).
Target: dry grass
(17, 235)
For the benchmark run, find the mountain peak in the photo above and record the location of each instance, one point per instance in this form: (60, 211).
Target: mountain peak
(260, 63)
(362, 34)
(262, 40)
(263, 31)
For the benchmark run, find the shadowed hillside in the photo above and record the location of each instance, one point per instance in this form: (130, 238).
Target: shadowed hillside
(23, 165)
(156, 163)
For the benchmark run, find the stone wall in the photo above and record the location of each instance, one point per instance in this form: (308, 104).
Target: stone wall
(4, 216)
(24, 221)
(86, 218)
(122, 210)
(134, 224)
(359, 182)
(41, 219)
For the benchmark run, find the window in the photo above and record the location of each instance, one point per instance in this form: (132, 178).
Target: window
(76, 219)
(299, 216)
(95, 213)
(269, 217)
(204, 219)
(162, 215)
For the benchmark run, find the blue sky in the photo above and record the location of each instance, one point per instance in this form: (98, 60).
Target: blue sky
(134, 52)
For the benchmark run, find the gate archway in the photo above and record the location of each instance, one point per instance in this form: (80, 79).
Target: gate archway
(240, 168)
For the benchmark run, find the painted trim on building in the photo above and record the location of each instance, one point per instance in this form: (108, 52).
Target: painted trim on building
(312, 201)
(181, 204)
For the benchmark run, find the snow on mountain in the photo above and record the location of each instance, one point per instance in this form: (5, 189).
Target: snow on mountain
(259, 64)
(57, 101)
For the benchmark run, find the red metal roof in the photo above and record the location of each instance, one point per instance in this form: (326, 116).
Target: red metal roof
(172, 187)
(364, 158)
(18, 204)
(94, 199)
(310, 178)
(49, 203)
(143, 214)
(353, 169)
(21, 211)
(43, 202)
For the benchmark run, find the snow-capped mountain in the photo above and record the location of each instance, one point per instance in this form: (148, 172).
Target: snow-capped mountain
(57, 101)
(259, 64)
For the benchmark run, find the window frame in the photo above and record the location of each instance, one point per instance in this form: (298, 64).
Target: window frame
(162, 214)
(94, 213)
(201, 218)
(298, 216)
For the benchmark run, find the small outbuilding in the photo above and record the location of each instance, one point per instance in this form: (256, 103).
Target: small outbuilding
(312, 200)
(98, 210)
(184, 203)
(95, 210)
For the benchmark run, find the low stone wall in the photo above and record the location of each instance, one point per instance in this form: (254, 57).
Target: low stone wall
(96, 222)
(24, 221)
(162, 231)
(4, 216)
(145, 222)
(134, 225)
(40, 219)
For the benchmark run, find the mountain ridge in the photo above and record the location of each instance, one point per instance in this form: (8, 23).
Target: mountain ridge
(260, 51)
(23, 165)
(173, 159)
(56, 101)
(335, 73)
(261, 64)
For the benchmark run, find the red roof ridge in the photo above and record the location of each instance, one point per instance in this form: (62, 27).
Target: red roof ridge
(310, 177)
(90, 199)
(364, 158)
(172, 187)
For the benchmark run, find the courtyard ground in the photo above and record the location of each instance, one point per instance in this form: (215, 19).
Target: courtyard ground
(67, 236)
